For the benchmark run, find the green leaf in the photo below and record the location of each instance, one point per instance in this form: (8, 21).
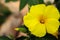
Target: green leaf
(33, 2)
(41, 1)
(23, 28)
(4, 38)
(10, 0)
(22, 4)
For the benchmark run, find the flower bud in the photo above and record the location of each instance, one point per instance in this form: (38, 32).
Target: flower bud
(51, 1)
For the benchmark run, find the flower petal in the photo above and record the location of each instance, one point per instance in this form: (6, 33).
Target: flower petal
(52, 12)
(52, 25)
(29, 21)
(37, 10)
(39, 30)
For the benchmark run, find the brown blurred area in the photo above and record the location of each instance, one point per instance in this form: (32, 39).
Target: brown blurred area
(13, 20)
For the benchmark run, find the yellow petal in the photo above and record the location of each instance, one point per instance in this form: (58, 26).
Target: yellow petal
(52, 25)
(52, 12)
(37, 10)
(29, 20)
(55, 34)
(39, 30)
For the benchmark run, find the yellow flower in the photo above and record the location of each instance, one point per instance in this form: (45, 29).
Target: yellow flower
(42, 19)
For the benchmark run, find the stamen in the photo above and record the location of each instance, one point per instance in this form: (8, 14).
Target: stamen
(42, 21)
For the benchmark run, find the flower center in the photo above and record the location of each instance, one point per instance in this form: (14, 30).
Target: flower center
(42, 19)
